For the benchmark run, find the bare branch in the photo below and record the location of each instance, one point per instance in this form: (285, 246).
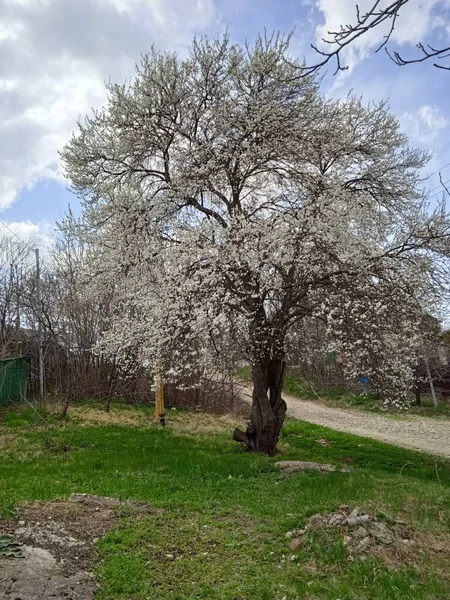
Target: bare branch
(348, 34)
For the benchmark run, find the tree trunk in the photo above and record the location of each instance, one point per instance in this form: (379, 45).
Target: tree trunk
(111, 382)
(68, 394)
(65, 405)
(430, 382)
(268, 408)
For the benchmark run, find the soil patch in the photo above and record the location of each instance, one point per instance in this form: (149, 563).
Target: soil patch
(59, 546)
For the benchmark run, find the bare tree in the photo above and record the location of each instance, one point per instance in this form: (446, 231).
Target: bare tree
(15, 268)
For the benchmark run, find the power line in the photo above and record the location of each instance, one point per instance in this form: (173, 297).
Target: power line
(12, 231)
(444, 183)
(438, 186)
(439, 170)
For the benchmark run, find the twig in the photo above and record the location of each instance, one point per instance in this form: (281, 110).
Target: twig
(373, 18)
(405, 465)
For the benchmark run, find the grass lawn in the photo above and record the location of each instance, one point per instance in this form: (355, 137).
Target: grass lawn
(221, 514)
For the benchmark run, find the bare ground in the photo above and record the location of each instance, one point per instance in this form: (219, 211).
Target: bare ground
(59, 546)
(410, 431)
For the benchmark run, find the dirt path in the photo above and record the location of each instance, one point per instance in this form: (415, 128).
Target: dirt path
(411, 431)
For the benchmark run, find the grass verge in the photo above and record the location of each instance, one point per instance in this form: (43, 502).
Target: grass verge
(221, 514)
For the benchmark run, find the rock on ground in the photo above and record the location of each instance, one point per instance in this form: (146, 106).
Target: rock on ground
(39, 575)
(59, 547)
(299, 466)
(363, 533)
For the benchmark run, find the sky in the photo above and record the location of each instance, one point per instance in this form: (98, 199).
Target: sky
(55, 56)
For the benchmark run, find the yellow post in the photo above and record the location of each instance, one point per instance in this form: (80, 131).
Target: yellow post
(160, 416)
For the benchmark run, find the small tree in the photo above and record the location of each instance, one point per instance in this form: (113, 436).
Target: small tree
(224, 191)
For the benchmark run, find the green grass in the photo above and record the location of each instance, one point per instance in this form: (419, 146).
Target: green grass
(221, 514)
(27, 416)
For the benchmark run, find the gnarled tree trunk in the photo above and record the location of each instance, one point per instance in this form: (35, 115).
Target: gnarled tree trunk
(268, 407)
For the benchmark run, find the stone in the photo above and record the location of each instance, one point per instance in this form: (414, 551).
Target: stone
(93, 500)
(352, 521)
(347, 540)
(298, 466)
(289, 534)
(363, 545)
(39, 575)
(385, 537)
(324, 442)
(360, 533)
(338, 519)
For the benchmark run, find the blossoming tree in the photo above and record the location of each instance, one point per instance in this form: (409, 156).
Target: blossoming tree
(225, 196)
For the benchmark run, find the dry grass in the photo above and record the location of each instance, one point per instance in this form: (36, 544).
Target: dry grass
(201, 422)
(181, 421)
(96, 416)
(8, 440)
(14, 446)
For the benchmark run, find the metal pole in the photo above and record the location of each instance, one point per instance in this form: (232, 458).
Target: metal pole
(41, 355)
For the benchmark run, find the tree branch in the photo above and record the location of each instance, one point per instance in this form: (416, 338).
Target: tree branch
(348, 34)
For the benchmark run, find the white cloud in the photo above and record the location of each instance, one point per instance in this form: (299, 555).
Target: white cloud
(175, 13)
(417, 20)
(426, 125)
(54, 58)
(39, 235)
(432, 118)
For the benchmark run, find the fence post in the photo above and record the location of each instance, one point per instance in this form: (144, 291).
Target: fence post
(160, 416)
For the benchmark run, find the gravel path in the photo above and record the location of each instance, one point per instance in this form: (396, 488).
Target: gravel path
(410, 431)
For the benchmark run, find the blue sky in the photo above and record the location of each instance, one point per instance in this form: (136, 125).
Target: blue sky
(56, 54)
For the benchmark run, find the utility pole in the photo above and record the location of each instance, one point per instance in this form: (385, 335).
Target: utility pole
(38, 297)
(18, 283)
(17, 317)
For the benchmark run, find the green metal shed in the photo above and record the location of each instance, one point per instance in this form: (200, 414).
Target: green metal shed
(14, 374)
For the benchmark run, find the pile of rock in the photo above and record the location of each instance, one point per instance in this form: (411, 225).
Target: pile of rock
(363, 532)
